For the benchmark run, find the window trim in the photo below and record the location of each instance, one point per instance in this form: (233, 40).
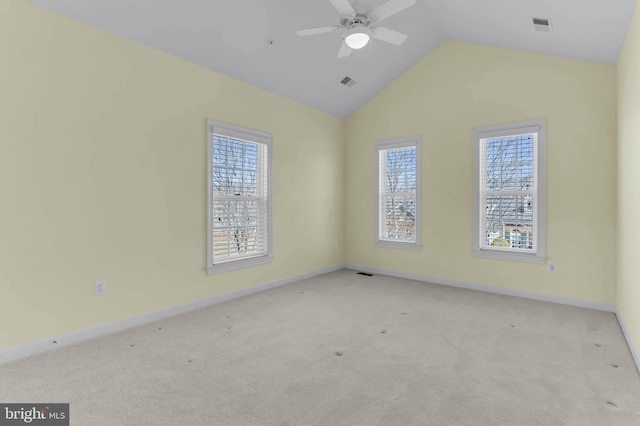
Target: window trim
(395, 144)
(253, 136)
(501, 130)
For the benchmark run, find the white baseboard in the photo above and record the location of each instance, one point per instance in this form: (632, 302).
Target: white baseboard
(55, 342)
(487, 288)
(511, 292)
(632, 348)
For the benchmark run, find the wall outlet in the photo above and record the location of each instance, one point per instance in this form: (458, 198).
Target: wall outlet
(99, 287)
(552, 267)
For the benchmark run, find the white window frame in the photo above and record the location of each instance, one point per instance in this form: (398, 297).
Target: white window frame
(412, 141)
(537, 127)
(253, 136)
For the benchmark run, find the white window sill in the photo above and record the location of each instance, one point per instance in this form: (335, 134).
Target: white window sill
(239, 264)
(503, 255)
(398, 245)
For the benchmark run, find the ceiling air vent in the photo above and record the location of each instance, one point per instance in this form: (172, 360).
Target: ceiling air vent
(542, 24)
(348, 81)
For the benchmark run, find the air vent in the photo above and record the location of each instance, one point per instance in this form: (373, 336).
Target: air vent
(542, 24)
(348, 81)
(365, 274)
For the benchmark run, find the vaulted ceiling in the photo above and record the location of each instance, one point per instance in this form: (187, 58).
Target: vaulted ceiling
(255, 40)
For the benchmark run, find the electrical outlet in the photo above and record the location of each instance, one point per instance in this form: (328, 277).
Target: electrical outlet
(552, 267)
(99, 287)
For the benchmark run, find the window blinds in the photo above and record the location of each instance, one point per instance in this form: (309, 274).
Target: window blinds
(239, 199)
(397, 183)
(508, 192)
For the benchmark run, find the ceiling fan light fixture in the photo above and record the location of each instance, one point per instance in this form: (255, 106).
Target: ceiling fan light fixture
(358, 38)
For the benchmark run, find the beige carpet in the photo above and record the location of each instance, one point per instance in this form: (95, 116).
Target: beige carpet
(345, 349)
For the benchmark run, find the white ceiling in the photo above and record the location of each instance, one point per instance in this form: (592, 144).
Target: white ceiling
(231, 36)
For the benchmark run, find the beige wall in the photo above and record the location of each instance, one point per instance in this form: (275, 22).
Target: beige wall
(628, 284)
(102, 165)
(460, 86)
(102, 170)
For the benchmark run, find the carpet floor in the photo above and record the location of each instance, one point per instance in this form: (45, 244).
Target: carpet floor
(346, 349)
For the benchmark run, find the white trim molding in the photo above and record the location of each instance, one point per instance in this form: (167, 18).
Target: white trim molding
(632, 347)
(537, 128)
(606, 307)
(263, 170)
(381, 165)
(60, 341)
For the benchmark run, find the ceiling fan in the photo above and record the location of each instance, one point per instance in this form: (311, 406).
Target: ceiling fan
(359, 24)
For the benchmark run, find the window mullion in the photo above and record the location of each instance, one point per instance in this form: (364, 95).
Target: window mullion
(508, 204)
(239, 211)
(398, 193)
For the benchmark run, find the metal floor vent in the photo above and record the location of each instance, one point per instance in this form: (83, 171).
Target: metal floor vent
(365, 274)
(348, 81)
(542, 24)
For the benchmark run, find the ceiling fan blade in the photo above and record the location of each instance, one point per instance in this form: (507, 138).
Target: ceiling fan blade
(390, 36)
(344, 7)
(344, 50)
(319, 30)
(390, 8)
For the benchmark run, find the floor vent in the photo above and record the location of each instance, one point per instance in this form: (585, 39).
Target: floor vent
(542, 24)
(365, 274)
(348, 81)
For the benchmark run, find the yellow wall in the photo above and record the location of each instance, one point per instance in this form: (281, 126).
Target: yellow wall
(628, 284)
(460, 86)
(102, 170)
(102, 164)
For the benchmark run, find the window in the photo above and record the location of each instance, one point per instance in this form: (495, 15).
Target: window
(239, 197)
(398, 189)
(509, 192)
